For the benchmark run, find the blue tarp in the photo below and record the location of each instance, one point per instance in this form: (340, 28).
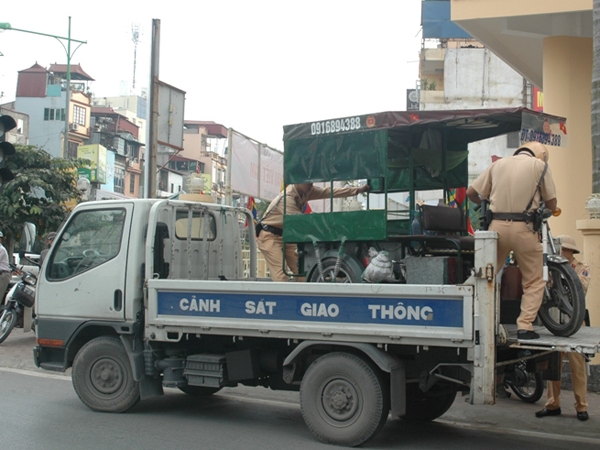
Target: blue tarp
(435, 18)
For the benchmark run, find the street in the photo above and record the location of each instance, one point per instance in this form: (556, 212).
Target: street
(40, 410)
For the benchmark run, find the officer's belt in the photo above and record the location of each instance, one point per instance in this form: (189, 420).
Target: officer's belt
(515, 217)
(270, 229)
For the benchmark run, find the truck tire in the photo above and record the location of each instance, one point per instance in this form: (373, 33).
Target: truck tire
(199, 391)
(563, 307)
(102, 376)
(344, 399)
(345, 273)
(8, 320)
(427, 406)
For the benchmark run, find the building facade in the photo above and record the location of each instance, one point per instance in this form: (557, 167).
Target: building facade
(41, 94)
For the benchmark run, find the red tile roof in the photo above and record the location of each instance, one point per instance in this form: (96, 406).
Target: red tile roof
(77, 73)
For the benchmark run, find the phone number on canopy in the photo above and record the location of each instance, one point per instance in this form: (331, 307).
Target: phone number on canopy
(335, 126)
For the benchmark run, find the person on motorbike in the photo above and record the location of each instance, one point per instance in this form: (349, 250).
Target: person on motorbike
(576, 360)
(5, 271)
(515, 186)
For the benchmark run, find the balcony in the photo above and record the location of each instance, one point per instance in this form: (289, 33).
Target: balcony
(432, 61)
(432, 97)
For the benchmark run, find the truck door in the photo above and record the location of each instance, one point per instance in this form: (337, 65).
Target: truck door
(86, 271)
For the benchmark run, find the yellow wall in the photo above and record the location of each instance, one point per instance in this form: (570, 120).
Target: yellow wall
(474, 9)
(567, 92)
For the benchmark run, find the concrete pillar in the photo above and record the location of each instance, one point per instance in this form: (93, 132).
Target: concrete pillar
(590, 229)
(567, 92)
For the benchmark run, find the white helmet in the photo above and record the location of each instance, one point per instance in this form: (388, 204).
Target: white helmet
(537, 149)
(1, 235)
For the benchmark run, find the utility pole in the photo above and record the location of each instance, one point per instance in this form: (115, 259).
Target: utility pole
(153, 127)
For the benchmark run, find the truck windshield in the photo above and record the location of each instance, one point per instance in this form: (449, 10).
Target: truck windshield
(90, 239)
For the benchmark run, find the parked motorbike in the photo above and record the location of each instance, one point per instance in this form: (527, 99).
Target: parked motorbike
(17, 308)
(528, 386)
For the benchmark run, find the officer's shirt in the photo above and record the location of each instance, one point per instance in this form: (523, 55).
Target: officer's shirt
(511, 182)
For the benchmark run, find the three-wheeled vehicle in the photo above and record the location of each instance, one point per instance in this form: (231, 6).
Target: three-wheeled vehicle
(409, 153)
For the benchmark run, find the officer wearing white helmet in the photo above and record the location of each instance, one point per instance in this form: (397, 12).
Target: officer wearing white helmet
(577, 366)
(5, 272)
(514, 186)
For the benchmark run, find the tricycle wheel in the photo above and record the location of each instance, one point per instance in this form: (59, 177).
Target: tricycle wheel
(563, 307)
(102, 376)
(344, 399)
(344, 274)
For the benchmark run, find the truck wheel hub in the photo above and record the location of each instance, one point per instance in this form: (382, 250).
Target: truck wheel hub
(106, 376)
(339, 400)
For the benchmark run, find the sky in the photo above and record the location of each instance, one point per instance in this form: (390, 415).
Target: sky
(253, 66)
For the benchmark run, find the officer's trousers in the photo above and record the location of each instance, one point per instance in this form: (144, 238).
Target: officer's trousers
(579, 378)
(525, 244)
(271, 247)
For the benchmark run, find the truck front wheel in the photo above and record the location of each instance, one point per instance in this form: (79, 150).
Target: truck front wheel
(344, 399)
(102, 376)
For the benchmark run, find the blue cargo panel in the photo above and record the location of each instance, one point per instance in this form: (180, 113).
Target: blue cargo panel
(430, 312)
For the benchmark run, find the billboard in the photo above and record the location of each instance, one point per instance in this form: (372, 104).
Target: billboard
(96, 153)
(256, 169)
(171, 102)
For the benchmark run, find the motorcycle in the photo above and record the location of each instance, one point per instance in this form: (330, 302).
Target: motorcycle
(528, 386)
(17, 309)
(563, 307)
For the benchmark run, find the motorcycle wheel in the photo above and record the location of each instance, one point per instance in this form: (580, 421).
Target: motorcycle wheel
(529, 387)
(563, 307)
(8, 320)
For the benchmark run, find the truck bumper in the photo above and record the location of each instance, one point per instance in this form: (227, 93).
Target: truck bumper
(49, 358)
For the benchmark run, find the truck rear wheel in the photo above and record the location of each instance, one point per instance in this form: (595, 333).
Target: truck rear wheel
(344, 399)
(427, 406)
(102, 376)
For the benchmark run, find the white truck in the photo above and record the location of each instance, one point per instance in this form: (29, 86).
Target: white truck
(139, 295)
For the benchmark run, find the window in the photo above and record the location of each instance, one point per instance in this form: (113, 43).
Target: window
(132, 183)
(54, 114)
(72, 150)
(79, 115)
(199, 221)
(90, 239)
(119, 180)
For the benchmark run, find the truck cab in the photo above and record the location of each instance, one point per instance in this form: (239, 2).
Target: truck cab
(94, 278)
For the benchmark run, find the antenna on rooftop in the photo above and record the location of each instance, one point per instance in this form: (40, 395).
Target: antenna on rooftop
(135, 37)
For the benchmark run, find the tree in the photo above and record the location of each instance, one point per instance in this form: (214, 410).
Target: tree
(39, 192)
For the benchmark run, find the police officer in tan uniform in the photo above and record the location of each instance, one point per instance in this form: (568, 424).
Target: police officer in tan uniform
(576, 360)
(270, 241)
(510, 184)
